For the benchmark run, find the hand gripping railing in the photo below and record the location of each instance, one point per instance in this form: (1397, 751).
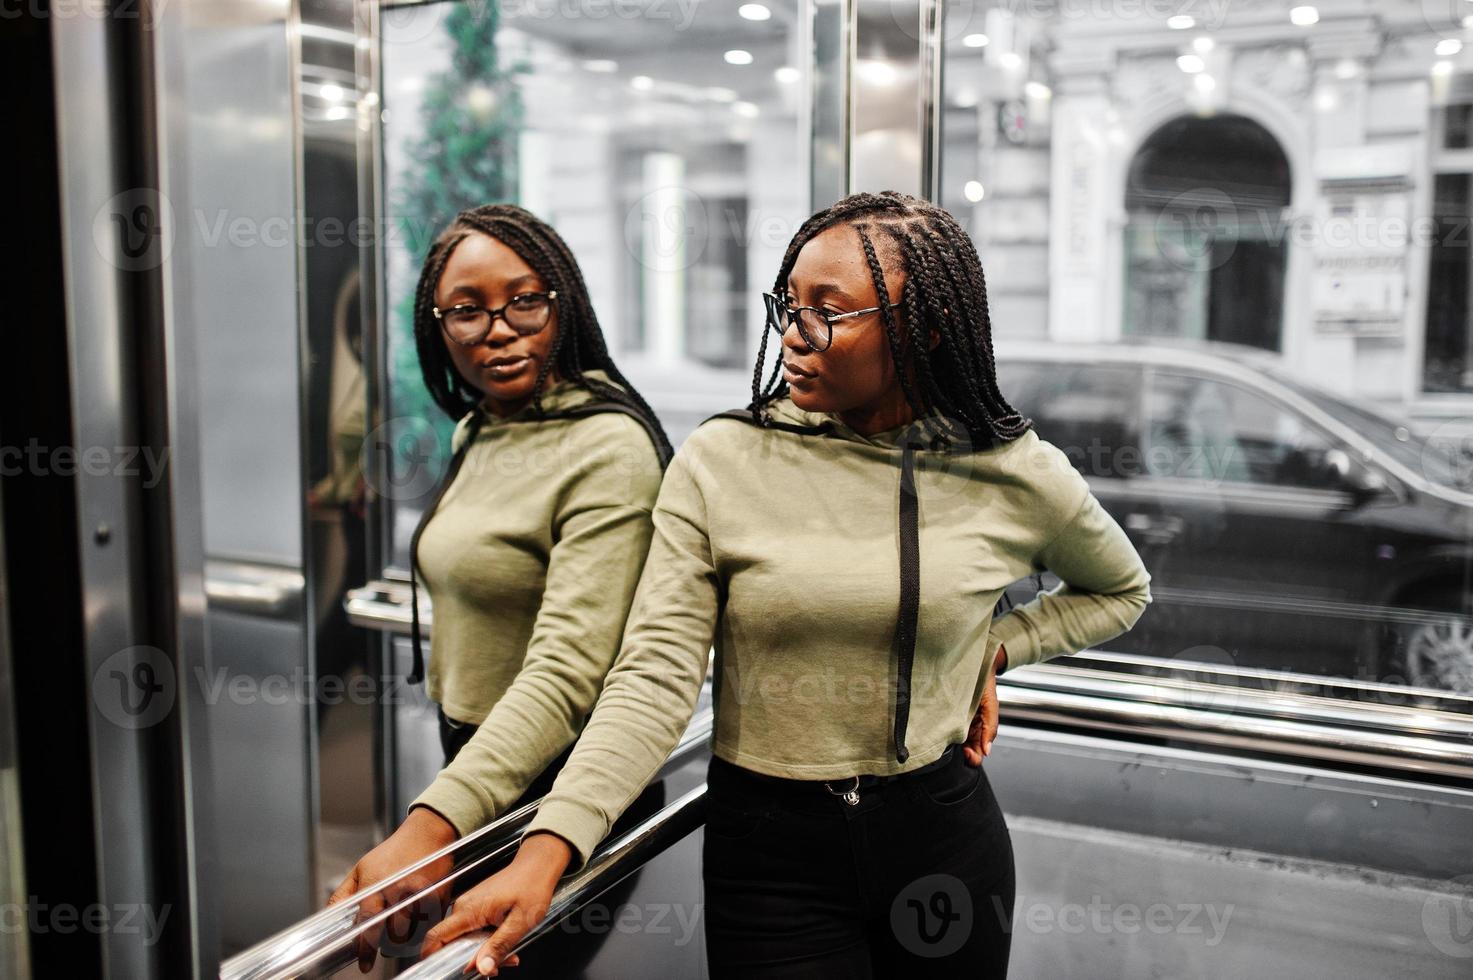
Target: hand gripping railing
(605, 868)
(325, 941)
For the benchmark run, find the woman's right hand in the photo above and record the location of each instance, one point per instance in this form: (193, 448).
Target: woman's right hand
(423, 833)
(512, 902)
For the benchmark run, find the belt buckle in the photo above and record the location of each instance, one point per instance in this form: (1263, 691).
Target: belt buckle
(850, 796)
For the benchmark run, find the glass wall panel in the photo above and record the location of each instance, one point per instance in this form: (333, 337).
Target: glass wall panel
(1228, 267)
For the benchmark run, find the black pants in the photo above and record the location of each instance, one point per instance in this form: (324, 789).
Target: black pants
(915, 879)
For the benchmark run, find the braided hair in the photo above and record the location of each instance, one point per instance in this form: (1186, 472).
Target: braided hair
(945, 291)
(579, 345)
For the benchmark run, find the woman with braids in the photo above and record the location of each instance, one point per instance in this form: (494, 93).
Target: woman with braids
(533, 548)
(844, 542)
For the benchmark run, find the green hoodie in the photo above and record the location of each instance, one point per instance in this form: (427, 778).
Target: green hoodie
(533, 553)
(784, 546)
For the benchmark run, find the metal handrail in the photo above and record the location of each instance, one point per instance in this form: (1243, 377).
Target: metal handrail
(607, 865)
(1239, 730)
(324, 941)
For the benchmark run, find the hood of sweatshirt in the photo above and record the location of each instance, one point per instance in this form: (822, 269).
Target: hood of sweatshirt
(558, 396)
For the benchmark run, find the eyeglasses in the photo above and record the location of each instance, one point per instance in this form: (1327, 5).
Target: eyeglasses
(469, 324)
(815, 326)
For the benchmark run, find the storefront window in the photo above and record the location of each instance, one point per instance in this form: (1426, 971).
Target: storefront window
(1208, 288)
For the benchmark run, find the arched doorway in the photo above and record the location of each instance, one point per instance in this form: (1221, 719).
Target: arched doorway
(1205, 240)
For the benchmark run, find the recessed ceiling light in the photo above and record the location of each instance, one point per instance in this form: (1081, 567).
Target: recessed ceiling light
(1304, 16)
(1181, 22)
(976, 40)
(736, 56)
(787, 74)
(754, 11)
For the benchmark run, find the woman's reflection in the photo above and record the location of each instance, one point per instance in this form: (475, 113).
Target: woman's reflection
(534, 545)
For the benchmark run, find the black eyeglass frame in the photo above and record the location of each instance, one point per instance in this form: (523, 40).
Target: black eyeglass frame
(491, 315)
(780, 316)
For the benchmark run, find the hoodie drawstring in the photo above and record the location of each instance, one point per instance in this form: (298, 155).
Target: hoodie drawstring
(910, 592)
(473, 426)
(910, 562)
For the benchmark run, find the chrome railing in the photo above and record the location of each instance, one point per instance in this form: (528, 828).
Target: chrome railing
(607, 865)
(325, 941)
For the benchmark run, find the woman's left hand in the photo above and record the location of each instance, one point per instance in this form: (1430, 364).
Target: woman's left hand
(984, 722)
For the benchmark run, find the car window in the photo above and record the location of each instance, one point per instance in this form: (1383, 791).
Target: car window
(1087, 410)
(1204, 429)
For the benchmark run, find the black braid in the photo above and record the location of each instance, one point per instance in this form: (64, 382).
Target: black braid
(946, 291)
(579, 345)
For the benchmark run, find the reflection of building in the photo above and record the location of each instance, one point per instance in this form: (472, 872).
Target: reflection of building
(1298, 182)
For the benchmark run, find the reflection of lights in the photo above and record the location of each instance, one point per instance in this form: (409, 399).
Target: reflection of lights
(1202, 44)
(747, 109)
(1304, 16)
(1468, 22)
(1442, 68)
(718, 94)
(975, 40)
(602, 65)
(1181, 22)
(1204, 83)
(754, 11)
(1190, 63)
(1037, 90)
(736, 56)
(1346, 69)
(1010, 60)
(973, 191)
(1326, 99)
(336, 112)
(787, 74)
(479, 98)
(370, 99)
(1448, 46)
(412, 84)
(876, 72)
(642, 82)
(331, 92)
(965, 98)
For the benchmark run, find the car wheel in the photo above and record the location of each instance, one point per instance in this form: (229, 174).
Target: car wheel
(1433, 647)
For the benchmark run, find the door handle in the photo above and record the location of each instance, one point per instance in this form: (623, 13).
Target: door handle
(1153, 529)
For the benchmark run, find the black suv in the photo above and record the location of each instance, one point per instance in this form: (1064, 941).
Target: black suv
(1284, 526)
